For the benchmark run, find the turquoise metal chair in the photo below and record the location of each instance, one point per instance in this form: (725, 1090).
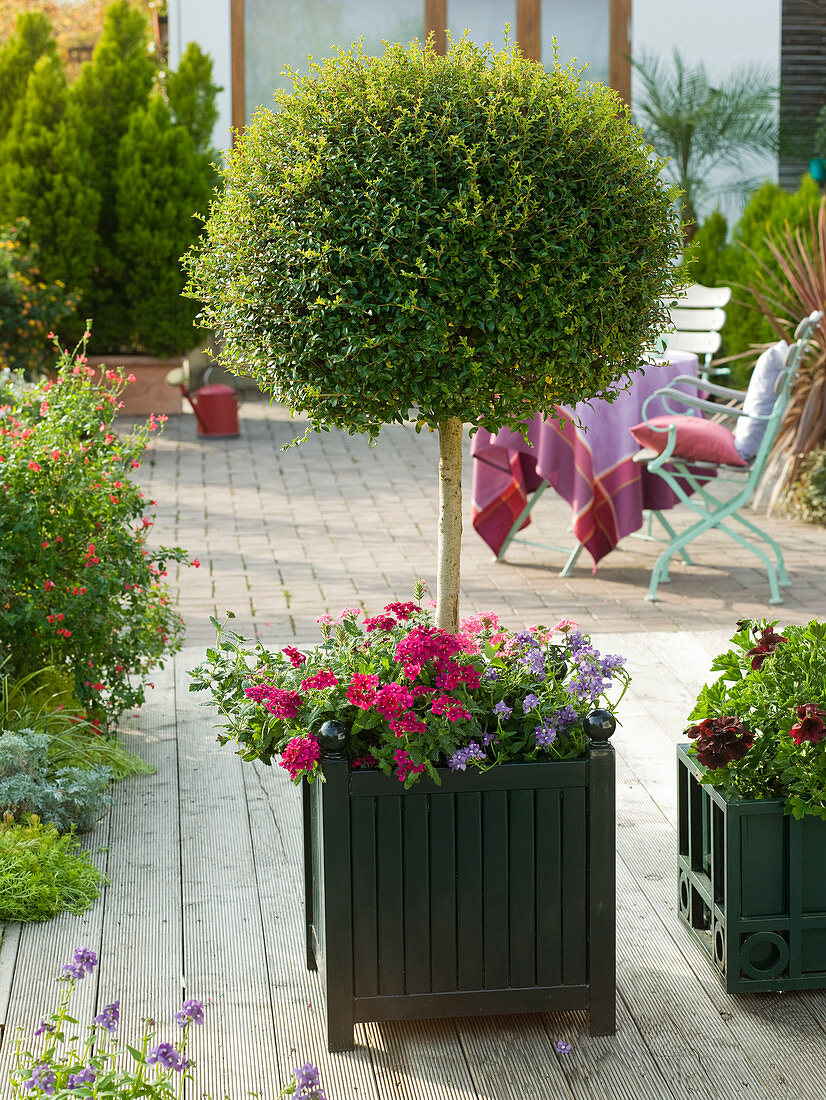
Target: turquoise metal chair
(700, 493)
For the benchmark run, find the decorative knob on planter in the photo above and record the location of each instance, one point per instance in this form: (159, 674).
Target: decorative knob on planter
(599, 725)
(333, 737)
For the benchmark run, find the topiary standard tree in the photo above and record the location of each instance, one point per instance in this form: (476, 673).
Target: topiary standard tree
(458, 238)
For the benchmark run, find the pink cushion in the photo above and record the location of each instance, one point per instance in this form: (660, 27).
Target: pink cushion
(698, 440)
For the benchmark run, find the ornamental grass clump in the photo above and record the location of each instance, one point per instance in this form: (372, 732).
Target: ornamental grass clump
(81, 585)
(447, 239)
(760, 729)
(415, 697)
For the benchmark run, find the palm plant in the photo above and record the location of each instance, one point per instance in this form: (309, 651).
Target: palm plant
(702, 127)
(785, 293)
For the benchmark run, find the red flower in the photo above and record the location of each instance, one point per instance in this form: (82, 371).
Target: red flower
(300, 755)
(811, 726)
(296, 657)
(767, 643)
(721, 740)
(362, 690)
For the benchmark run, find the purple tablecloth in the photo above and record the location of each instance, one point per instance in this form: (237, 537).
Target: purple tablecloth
(593, 469)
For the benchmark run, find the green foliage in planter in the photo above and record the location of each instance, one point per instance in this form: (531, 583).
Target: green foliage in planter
(160, 183)
(28, 305)
(737, 263)
(761, 726)
(66, 798)
(43, 873)
(808, 497)
(32, 39)
(468, 236)
(81, 586)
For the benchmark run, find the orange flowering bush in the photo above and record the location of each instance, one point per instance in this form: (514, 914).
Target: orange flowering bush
(28, 305)
(81, 588)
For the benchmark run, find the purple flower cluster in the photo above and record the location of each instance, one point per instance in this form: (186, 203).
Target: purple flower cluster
(489, 738)
(166, 1055)
(108, 1017)
(489, 675)
(308, 1083)
(534, 660)
(549, 730)
(587, 681)
(44, 1027)
(83, 962)
(459, 761)
(42, 1078)
(191, 1012)
(502, 709)
(610, 662)
(529, 702)
(85, 1077)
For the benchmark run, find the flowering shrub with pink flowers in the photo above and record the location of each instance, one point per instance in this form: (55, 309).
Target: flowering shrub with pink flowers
(760, 728)
(415, 698)
(81, 585)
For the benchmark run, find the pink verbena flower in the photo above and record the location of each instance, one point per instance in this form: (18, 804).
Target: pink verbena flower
(295, 656)
(402, 611)
(407, 723)
(404, 765)
(426, 643)
(452, 708)
(300, 755)
(278, 701)
(392, 699)
(323, 679)
(349, 612)
(380, 622)
(362, 690)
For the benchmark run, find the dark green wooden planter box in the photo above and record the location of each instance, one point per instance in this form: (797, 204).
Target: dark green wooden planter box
(494, 893)
(752, 887)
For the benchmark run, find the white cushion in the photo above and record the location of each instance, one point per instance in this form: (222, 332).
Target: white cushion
(759, 400)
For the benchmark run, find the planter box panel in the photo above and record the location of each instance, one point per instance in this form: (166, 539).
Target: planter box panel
(813, 865)
(765, 879)
(549, 859)
(474, 897)
(752, 887)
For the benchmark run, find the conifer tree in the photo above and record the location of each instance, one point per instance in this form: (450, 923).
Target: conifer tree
(110, 88)
(191, 93)
(160, 184)
(45, 179)
(32, 39)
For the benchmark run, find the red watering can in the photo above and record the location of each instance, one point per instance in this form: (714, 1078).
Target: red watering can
(215, 407)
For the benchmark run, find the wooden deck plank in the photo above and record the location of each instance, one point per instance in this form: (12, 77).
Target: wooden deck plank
(9, 944)
(277, 840)
(223, 950)
(43, 949)
(141, 951)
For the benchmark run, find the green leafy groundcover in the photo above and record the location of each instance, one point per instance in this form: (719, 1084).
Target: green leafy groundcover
(43, 873)
(761, 727)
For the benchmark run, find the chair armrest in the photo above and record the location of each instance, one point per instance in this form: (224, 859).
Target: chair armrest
(667, 395)
(708, 387)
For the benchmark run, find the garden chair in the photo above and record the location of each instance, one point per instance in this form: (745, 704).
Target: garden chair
(697, 318)
(695, 456)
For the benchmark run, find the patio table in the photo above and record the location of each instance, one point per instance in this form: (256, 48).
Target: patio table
(590, 464)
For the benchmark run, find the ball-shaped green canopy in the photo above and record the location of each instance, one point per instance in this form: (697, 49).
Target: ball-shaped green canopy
(438, 236)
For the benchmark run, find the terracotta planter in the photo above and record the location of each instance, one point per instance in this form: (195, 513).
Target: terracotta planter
(149, 393)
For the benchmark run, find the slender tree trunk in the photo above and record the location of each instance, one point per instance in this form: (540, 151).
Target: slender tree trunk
(450, 524)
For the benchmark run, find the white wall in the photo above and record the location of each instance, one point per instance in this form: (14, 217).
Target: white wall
(207, 23)
(723, 34)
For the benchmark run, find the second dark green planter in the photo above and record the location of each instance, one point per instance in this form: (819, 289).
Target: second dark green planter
(494, 893)
(752, 886)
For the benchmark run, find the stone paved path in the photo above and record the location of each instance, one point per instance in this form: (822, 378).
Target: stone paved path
(284, 535)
